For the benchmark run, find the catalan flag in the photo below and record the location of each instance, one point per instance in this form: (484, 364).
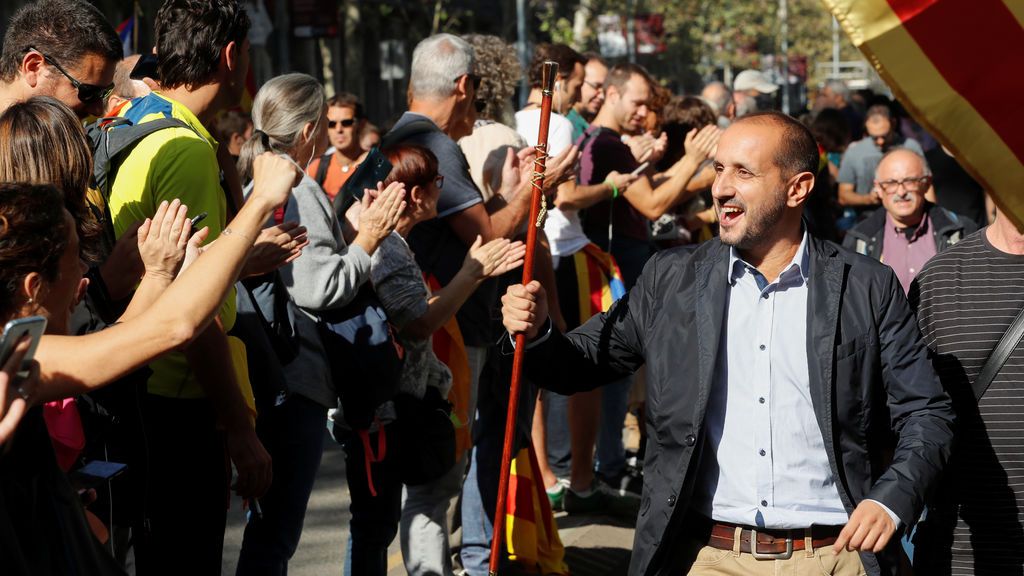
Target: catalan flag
(531, 535)
(598, 280)
(450, 349)
(954, 64)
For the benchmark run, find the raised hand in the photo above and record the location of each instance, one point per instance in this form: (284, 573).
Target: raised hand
(494, 258)
(380, 215)
(16, 392)
(275, 247)
(163, 238)
(273, 178)
(560, 169)
(701, 145)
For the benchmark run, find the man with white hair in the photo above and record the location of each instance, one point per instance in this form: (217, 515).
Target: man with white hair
(719, 97)
(907, 231)
(836, 94)
(443, 108)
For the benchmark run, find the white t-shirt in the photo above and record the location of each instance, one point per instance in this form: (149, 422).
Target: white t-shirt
(562, 227)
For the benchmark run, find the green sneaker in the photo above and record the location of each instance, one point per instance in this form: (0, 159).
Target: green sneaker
(602, 501)
(556, 494)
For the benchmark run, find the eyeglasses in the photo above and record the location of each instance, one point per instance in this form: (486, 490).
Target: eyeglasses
(346, 123)
(439, 181)
(908, 184)
(87, 93)
(595, 85)
(476, 80)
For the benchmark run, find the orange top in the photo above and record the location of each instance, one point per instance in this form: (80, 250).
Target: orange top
(337, 174)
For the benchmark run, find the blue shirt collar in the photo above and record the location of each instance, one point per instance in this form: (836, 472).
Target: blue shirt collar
(800, 264)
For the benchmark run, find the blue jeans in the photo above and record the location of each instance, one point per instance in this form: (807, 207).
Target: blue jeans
(631, 255)
(293, 433)
(480, 490)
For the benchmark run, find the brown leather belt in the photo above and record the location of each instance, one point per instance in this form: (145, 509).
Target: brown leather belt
(771, 544)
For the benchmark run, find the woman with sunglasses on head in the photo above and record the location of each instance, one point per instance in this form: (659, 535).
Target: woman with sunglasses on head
(416, 313)
(42, 527)
(289, 118)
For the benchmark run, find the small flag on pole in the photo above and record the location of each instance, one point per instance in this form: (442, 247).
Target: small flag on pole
(126, 32)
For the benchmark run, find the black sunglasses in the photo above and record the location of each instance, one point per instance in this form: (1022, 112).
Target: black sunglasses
(479, 105)
(346, 123)
(87, 93)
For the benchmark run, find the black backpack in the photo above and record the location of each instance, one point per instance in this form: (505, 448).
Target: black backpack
(111, 140)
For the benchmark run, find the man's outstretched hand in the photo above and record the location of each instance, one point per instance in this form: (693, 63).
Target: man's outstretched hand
(524, 309)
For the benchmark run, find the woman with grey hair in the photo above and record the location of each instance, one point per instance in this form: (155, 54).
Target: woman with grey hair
(290, 119)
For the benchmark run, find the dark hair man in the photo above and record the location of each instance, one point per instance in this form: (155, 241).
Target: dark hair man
(233, 128)
(345, 122)
(203, 60)
(857, 167)
(966, 299)
(907, 230)
(780, 368)
(60, 48)
(591, 94)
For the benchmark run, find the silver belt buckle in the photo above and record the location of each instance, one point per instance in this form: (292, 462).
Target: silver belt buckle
(769, 555)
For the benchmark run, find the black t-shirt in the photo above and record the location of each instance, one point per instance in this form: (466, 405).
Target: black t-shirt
(439, 251)
(603, 153)
(955, 190)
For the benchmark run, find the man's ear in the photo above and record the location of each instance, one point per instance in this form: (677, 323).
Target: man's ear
(799, 189)
(231, 55)
(416, 194)
(461, 87)
(31, 69)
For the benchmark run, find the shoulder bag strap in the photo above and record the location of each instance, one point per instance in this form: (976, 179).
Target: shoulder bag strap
(999, 356)
(321, 169)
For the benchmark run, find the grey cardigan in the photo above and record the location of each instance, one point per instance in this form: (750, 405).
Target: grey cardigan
(325, 277)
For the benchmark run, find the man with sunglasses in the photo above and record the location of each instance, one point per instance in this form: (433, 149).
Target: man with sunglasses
(345, 121)
(907, 230)
(60, 48)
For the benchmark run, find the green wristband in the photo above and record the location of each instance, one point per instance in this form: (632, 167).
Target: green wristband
(615, 190)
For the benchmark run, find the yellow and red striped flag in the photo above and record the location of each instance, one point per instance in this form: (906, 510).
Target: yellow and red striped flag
(955, 65)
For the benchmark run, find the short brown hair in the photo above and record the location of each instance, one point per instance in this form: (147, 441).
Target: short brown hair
(347, 100)
(411, 165)
(231, 122)
(620, 74)
(560, 54)
(797, 151)
(64, 30)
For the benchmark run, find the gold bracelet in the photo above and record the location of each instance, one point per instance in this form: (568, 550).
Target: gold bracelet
(228, 232)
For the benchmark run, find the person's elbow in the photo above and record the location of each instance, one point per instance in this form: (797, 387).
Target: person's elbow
(180, 332)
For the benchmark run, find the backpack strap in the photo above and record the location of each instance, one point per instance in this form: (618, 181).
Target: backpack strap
(321, 169)
(999, 355)
(407, 130)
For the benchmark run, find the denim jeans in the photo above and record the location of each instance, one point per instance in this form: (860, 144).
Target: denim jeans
(631, 255)
(293, 433)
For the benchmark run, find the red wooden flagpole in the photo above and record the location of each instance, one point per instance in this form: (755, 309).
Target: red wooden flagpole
(550, 70)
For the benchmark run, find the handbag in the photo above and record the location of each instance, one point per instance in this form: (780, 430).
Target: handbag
(363, 355)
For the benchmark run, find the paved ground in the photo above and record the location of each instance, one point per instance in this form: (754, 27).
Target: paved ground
(594, 546)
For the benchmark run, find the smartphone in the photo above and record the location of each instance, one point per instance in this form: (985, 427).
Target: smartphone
(14, 331)
(640, 169)
(146, 67)
(374, 168)
(195, 221)
(95, 473)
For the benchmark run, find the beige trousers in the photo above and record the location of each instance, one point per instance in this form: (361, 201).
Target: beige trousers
(810, 562)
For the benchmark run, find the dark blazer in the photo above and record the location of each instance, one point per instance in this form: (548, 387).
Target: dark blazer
(886, 422)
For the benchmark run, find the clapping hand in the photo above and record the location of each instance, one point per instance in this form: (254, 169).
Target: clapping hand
(163, 239)
(493, 258)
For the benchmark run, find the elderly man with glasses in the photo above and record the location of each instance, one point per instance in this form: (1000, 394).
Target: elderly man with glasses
(907, 230)
(60, 48)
